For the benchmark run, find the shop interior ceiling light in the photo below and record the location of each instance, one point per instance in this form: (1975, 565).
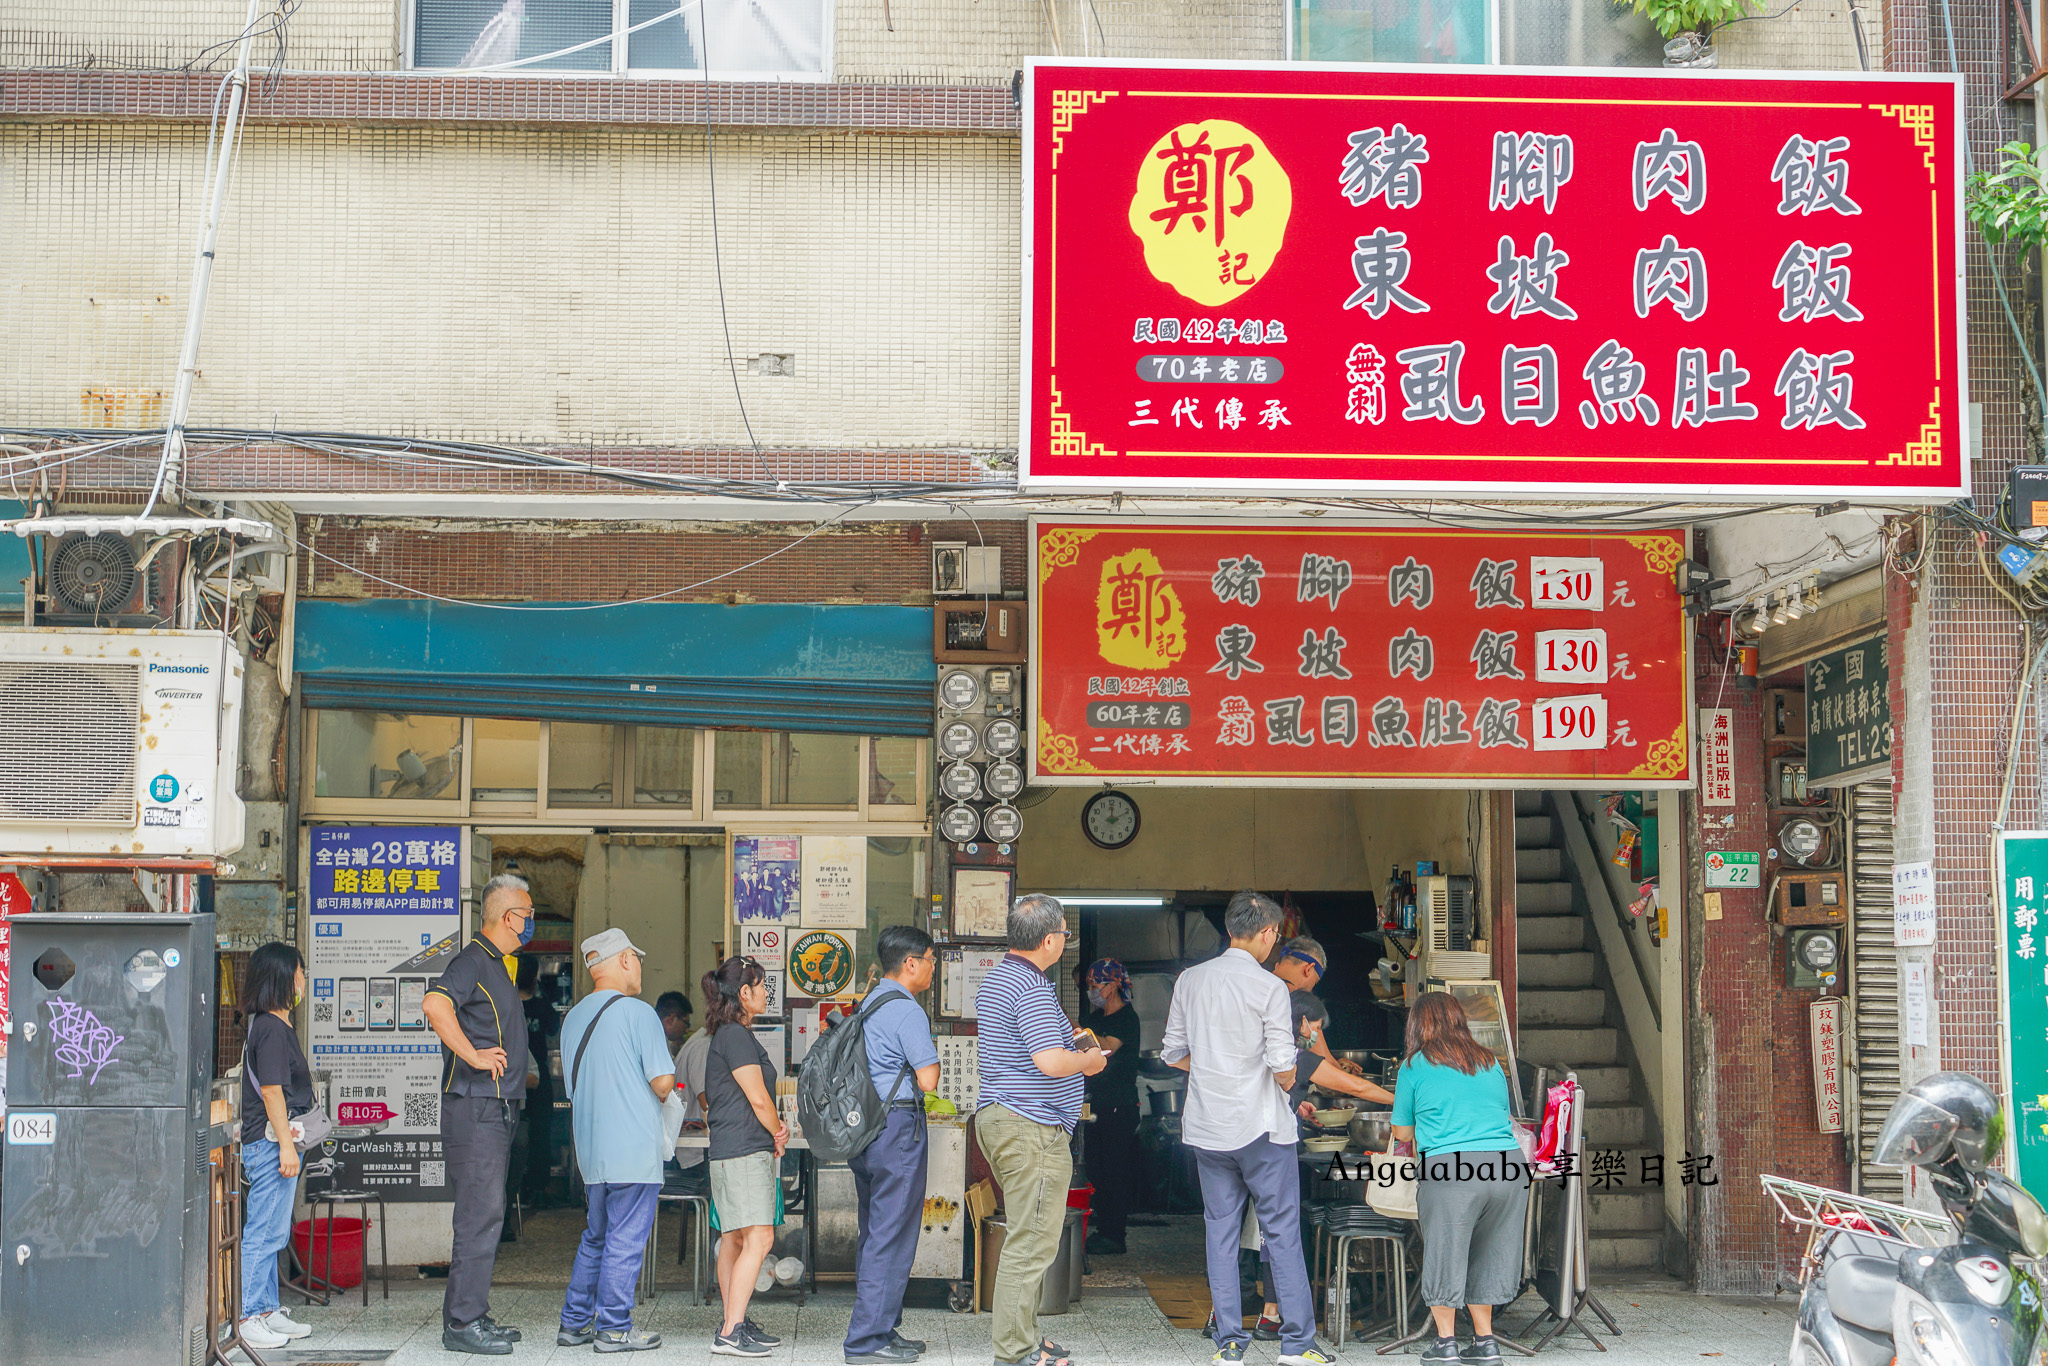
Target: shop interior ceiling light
(1778, 618)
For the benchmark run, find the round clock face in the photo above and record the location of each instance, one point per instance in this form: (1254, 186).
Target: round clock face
(1004, 779)
(1110, 819)
(1002, 737)
(959, 690)
(959, 823)
(960, 781)
(1002, 824)
(957, 739)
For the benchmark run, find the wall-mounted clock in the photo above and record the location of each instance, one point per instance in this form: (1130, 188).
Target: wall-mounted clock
(1110, 820)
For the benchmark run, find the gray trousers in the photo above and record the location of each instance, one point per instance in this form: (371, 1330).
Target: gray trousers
(1472, 1207)
(1265, 1174)
(476, 1139)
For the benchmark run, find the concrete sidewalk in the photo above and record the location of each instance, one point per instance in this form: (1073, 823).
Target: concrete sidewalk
(1661, 1323)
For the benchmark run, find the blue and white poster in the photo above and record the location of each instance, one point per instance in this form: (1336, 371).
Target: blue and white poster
(767, 878)
(386, 917)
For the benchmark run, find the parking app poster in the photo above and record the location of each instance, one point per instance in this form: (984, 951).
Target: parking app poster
(386, 917)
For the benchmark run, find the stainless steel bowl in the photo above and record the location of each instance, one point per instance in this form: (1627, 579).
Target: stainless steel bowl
(1372, 1132)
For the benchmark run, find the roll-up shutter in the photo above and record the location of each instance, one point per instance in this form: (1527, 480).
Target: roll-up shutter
(1873, 979)
(803, 667)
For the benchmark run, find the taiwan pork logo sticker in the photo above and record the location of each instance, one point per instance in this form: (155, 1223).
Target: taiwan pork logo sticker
(1211, 209)
(821, 963)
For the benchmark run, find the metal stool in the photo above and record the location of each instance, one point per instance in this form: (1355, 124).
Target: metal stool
(1358, 1224)
(362, 1200)
(697, 1219)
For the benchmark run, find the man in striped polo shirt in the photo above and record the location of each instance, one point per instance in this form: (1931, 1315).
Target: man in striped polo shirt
(1030, 1101)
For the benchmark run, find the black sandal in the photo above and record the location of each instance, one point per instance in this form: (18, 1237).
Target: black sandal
(1043, 1357)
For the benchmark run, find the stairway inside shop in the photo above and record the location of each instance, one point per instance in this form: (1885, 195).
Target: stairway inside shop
(1569, 1018)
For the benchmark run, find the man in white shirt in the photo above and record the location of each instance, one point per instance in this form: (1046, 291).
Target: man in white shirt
(686, 1172)
(1230, 1030)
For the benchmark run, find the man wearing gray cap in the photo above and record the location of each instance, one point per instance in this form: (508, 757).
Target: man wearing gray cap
(617, 1072)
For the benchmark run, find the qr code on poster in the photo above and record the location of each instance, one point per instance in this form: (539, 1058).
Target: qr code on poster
(433, 1173)
(323, 1012)
(422, 1110)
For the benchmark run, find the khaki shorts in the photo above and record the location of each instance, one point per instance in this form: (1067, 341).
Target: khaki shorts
(745, 1191)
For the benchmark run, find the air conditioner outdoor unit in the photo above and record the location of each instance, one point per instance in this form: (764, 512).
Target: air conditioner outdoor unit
(122, 743)
(1446, 917)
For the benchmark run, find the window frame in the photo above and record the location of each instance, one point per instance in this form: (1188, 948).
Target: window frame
(621, 20)
(1495, 14)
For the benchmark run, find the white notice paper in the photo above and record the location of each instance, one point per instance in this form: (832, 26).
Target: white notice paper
(1913, 976)
(835, 887)
(1913, 903)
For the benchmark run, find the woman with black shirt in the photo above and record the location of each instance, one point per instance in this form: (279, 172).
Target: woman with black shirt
(1112, 1151)
(276, 1085)
(747, 1137)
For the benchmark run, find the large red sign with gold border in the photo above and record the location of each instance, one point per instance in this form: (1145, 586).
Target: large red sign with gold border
(1282, 278)
(1259, 654)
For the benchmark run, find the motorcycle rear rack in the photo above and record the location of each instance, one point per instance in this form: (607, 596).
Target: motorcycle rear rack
(1823, 1212)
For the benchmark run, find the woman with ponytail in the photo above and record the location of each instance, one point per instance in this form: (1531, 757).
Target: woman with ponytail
(747, 1137)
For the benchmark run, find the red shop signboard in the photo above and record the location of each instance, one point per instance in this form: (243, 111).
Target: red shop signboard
(1256, 655)
(1270, 278)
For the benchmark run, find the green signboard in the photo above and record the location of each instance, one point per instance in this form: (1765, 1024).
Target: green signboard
(2023, 982)
(1849, 715)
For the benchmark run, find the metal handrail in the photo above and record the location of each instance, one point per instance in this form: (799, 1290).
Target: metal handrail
(1592, 887)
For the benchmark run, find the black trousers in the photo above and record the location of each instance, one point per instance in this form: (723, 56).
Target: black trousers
(1113, 1167)
(476, 1138)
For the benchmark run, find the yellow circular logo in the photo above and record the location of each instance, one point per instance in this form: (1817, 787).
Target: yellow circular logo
(1138, 618)
(1211, 209)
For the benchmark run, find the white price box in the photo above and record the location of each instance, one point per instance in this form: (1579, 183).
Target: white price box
(1570, 722)
(27, 1129)
(1560, 581)
(1571, 656)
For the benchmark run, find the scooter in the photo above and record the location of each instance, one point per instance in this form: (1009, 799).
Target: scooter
(1884, 1283)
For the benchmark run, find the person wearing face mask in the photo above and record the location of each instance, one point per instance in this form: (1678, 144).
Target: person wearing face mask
(475, 1010)
(1113, 1096)
(276, 1084)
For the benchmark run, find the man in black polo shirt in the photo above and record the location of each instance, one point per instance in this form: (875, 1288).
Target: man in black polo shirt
(476, 1010)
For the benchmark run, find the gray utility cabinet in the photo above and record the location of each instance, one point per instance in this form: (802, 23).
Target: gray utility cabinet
(103, 1211)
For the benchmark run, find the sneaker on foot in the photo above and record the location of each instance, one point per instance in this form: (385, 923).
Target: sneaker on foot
(1308, 1356)
(760, 1334)
(1482, 1349)
(1441, 1349)
(565, 1336)
(277, 1321)
(737, 1343)
(628, 1340)
(260, 1335)
(1229, 1354)
(1266, 1330)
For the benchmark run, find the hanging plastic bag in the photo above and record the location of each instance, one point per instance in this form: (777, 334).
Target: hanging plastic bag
(672, 1113)
(1558, 1105)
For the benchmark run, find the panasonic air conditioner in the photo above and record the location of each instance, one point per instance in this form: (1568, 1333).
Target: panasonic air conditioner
(119, 743)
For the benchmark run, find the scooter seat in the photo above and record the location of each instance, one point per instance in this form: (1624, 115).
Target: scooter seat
(1861, 1291)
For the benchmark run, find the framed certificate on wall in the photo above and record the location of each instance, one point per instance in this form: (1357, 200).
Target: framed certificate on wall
(981, 902)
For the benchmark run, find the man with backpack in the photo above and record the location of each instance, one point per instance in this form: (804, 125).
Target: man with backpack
(617, 1070)
(889, 1174)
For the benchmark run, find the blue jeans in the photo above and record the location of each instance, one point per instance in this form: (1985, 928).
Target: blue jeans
(607, 1266)
(266, 1226)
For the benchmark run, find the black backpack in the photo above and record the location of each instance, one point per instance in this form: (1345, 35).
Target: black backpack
(836, 1102)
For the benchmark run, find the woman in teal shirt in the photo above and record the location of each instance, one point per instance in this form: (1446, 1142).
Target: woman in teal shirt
(1451, 1098)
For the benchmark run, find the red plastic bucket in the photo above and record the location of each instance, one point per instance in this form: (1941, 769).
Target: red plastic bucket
(1082, 1198)
(309, 1241)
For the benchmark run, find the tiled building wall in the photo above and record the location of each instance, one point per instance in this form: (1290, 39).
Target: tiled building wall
(878, 562)
(1754, 1091)
(549, 286)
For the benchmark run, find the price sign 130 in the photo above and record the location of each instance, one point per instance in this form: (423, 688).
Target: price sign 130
(1566, 581)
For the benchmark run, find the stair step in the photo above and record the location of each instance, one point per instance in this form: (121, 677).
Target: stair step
(1623, 1251)
(1550, 934)
(1617, 1126)
(1625, 1212)
(1606, 1085)
(1564, 1050)
(1539, 865)
(1543, 898)
(1556, 969)
(1529, 804)
(1532, 832)
(1539, 1007)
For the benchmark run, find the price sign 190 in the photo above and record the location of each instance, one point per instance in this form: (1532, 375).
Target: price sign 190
(1570, 722)
(1571, 656)
(1563, 581)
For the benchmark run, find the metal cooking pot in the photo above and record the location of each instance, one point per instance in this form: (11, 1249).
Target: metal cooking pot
(1168, 1102)
(1361, 1056)
(1373, 1132)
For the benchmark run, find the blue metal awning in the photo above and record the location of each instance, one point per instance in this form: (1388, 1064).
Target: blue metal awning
(769, 666)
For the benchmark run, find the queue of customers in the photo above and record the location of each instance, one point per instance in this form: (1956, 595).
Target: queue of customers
(1250, 1040)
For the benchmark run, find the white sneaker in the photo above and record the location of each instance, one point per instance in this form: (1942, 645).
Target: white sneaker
(261, 1335)
(277, 1321)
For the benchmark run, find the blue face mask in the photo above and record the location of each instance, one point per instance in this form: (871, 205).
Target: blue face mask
(526, 930)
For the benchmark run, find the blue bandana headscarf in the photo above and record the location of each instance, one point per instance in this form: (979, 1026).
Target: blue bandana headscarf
(1108, 973)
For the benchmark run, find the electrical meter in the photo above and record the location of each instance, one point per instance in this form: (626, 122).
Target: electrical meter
(957, 739)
